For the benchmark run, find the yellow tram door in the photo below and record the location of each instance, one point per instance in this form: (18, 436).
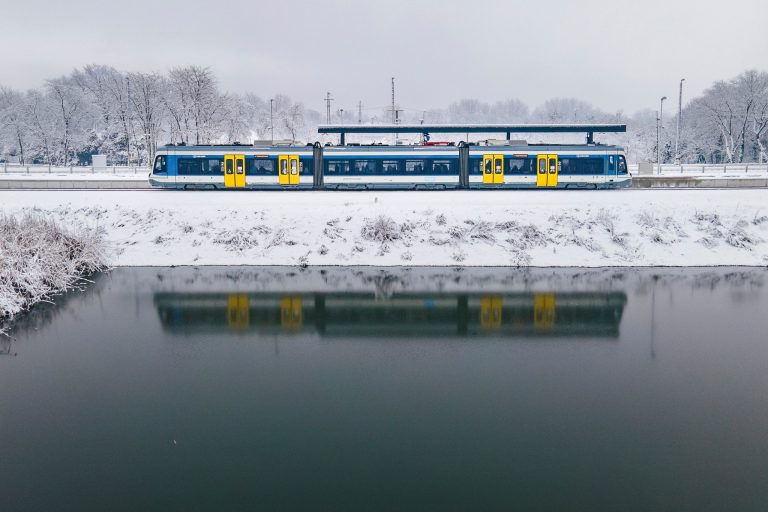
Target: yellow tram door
(498, 169)
(554, 170)
(282, 170)
(238, 311)
(487, 169)
(229, 171)
(541, 171)
(240, 171)
(544, 310)
(294, 170)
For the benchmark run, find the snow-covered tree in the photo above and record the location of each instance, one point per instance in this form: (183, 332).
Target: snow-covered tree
(148, 110)
(98, 109)
(69, 108)
(14, 128)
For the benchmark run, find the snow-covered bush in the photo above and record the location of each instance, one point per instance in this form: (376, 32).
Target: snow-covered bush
(39, 258)
(381, 229)
(738, 237)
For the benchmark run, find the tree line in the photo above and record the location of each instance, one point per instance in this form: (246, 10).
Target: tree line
(100, 110)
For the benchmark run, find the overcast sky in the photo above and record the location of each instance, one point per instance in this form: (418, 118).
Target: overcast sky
(616, 54)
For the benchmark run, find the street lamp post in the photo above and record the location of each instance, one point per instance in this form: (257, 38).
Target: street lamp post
(658, 133)
(679, 117)
(271, 121)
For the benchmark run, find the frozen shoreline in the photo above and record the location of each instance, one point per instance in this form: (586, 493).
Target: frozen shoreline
(480, 228)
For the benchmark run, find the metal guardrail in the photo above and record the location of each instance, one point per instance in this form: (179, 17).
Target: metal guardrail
(37, 169)
(704, 169)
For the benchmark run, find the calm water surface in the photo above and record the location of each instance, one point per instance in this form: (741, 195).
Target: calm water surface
(369, 389)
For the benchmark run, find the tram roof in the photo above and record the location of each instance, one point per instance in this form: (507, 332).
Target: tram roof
(387, 148)
(473, 128)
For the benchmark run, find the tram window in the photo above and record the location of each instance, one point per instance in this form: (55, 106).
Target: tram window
(229, 166)
(337, 167)
(414, 166)
(611, 164)
(543, 166)
(199, 166)
(522, 166)
(214, 166)
(365, 166)
(622, 165)
(499, 165)
(581, 166)
(552, 165)
(260, 166)
(283, 166)
(160, 165)
(475, 166)
(442, 167)
(487, 166)
(390, 166)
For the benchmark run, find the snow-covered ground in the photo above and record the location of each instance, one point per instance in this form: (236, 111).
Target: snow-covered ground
(461, 228)
(80, 176)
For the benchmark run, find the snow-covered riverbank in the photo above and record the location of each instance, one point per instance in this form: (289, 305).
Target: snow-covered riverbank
(495, 228)
(40, 257)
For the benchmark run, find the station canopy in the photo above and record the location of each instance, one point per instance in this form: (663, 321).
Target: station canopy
(507, 129)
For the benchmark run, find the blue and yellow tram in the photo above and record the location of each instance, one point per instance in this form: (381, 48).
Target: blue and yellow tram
(475, 166)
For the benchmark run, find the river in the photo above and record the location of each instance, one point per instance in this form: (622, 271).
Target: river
(389, 389)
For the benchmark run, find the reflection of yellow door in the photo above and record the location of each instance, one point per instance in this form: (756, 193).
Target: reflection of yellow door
(295, 170)
(238, 313)
(240, 171)
(490, 312)
(541, 171)
(553, 170)
(291, 315)
(282, 170)
(544, 310)
(229, 171)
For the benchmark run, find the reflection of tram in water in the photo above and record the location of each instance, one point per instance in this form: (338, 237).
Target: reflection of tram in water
(594, 314)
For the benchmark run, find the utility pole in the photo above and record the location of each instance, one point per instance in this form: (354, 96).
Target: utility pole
(423, 138)
(328, 101)
(658, 132)
(359, 112)
(679, 118)
(393, 100)
(271, 120)
(394, 114)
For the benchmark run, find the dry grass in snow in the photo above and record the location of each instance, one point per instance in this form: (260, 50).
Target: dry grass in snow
(39, 258)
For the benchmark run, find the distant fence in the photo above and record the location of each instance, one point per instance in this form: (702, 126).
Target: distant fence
(703, 169)
(37, 169)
